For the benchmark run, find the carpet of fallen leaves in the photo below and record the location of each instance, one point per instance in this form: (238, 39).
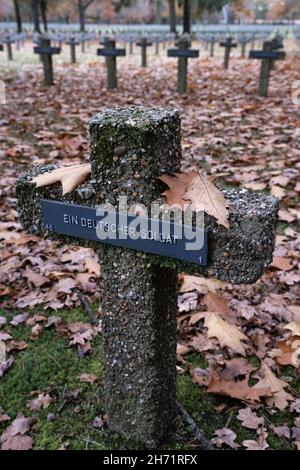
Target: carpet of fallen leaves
(248, 336)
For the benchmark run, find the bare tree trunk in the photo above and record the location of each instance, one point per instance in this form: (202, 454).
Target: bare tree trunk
(186, 17)
(43, 6)
(35, 15)
(18, 16)
(158, 8)
(82, 7)
(172, 16)
(81, 15)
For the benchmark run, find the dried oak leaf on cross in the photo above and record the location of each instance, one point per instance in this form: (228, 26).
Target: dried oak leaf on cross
(195, 191)
(69, 176)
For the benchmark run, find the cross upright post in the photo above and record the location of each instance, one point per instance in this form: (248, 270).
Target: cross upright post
(183, 53)
(8, 40)
(45, 51)
(144, 43)
(212, 40)
(130, 148)
(72, 42)
(267, 56)
(110, 52)
(228, 44)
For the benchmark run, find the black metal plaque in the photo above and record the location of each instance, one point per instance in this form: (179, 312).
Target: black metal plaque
(155, 236)
(111, 52)
(183, 53)
(279, 55)
(46, 50)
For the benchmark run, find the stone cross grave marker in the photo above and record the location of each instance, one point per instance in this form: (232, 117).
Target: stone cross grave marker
(244, 39)
(72, 42)
(8, 40)
(211, 39)
(276, 45)
(228, 44)
(45, 51)
(157, 40)
(144, 43)
(267, 56)
(130, 148)
(110, 52)
(183, 53)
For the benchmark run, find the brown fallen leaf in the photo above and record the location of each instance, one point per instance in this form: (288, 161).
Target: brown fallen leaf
(88, 378)
(260, 444)
(201, 284)
(16, 345)
(236, 367)
(216, 303)
(278, 397)
(17, 442)
(20, 425)
(36, 279)
(194, 190)
(92, 265)
(42, 401)
(281, 431)
(239, 390)
(4, 366)
(281, 263)
(201, 376)
(227, 335)
(99, 421)
(19, 319)
(249, 418)
(3, 416)
(225, 436)
(69, 176)
(293, 327)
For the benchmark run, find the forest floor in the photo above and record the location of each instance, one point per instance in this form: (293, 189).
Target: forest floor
(242, 386)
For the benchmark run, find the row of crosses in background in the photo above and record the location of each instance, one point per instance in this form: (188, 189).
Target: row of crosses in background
(272, 51)
(9, 40)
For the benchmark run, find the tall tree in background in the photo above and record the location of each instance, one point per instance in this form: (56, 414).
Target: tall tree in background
(186, 16)
(43, 7)
(82, 7)
(172, 16)
(35, 15)
(18, 16)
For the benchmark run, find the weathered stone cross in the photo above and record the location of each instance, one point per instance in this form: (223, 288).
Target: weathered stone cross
(110, 52)
(130, 148)
(46, 51)
(211, 39)
(72, 42)
(9, 40)
(228, 44)
(244, 39)
(143, 43)
(267, 56)
(183, 53)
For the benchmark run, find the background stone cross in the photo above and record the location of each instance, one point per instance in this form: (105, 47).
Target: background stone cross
(73, 42)
(110, 52)
(228, 44)
(267, 56)
(46, 51)
(130, 148)
(143, 43)
(183, 53)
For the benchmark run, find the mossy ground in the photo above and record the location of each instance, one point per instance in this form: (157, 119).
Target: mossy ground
(51, 366)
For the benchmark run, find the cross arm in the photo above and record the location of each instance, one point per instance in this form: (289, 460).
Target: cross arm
(276, 55)
(239, 254)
